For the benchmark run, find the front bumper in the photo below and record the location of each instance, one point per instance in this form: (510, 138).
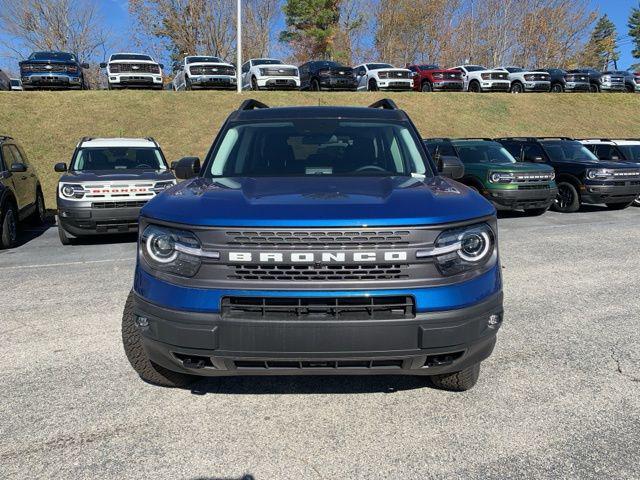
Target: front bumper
(521, 199)
(429, 344)
(614, 192)
(135, 80)
(537, 86)
(495, 86)
(395, 85)
(51, 80)
(447, 86)
(613, 87)
(278, 83)
(338, 83)
(577, 87)
(82, 221)
(213, 81)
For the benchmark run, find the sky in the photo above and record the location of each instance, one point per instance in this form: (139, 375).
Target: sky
(116, 15)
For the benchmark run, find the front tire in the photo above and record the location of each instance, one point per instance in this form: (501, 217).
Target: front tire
(557, 88)
(517, 88)
(254, 84)
(636, 202)
(138, 358)
(373, 85)
(315, 86)
(8, 226)
(458, 381)
(474, 87)
(568, 199)
(187, 84)
(39, 214)
(426, 87)
(65, 239)
(593, 88)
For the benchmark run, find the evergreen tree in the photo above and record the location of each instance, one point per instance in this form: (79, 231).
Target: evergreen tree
(634, 30)
(604, 43)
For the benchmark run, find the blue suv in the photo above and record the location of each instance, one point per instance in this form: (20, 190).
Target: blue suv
(315, 240)
(53, 70)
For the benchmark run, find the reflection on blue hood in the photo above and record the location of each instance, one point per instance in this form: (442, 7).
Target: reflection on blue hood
(317, 202)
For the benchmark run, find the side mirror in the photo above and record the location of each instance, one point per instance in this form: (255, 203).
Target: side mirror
(451, 167)
(18, 168)
(84, 65)
(103, 64)
(161, 65)
(533, 159)
(186, 168)
(60, 167)
(173, 165)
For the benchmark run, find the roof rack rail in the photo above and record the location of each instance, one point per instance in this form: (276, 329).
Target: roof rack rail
(385, 104)
(5, 137)
(251, 104)
(152, 140)
(532, 139)
(437, 139)
(594, 139)
(86, 139)
(480, 139)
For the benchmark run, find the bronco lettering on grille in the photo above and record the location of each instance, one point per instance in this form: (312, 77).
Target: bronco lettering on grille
(311, 257)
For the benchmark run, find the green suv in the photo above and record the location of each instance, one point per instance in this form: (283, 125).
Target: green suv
(492, 171)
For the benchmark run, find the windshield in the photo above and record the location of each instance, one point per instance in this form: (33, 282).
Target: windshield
(568, 151)
(203, 60)
(15, 82)
(266, 61)
(377, 66)
(426, 68)
(118, 158)
(474, 68)
(328, 64)
(483, 152)
(318, 147)
(132, 56)
(61, 56)
(631, 152)
(514, 69)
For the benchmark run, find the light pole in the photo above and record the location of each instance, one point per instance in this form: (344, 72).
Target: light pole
(239, 47)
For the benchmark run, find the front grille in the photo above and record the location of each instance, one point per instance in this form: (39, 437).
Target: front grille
(118, 204)
(319, 272)
(53, 68)
(533, 187)
(328, 239)
(330, 308)
(212, 70)
(533, 177)
(577, 78)
(498, 76)
(394, 74)
(316, 364)
(133, 68)
(280, 72)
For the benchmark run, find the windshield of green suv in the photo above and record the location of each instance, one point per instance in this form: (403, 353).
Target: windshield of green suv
(318, 147)
(483, 152)
(118, 158)
(631, 152)
(568, 151)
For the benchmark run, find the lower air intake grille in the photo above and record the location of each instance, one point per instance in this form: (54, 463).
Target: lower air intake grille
(314, 364)
(333, 308)
(319, 272)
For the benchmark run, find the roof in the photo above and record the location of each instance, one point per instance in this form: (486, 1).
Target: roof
(610, 141)
(292, 113)
(118, 142)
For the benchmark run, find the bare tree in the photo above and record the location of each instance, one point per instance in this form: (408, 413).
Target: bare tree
(257, 24)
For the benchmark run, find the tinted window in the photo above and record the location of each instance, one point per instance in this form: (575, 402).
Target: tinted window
(532, 151)
(203, 59)
(425, 68)
(118, 158)
(483, 152)
(17, 155)
(266, 61)
(318, 147)
(441, 148)
(7, 157)
(127, 56)
(61, 56)
(606, 152)
(513, 148)
(15, 82)
(326, 64)
(568, 151)
(514, 70)
(376, 66)
(631, 152)
(474, 68)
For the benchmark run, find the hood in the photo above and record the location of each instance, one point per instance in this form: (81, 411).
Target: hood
(317, 202)
(210, 64)
(150, 62)
(116, 176)
(392, 69)
(52, 61)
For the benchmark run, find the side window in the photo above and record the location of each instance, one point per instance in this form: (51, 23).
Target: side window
(245, 67)
(514, 149)
(17, 155)
(532, 152)
(7, 156)
(361, 71)
(607, 152)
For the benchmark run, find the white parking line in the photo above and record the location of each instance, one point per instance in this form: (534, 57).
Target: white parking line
(63, 264)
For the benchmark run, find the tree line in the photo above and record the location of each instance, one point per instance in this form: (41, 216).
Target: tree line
(530, 33)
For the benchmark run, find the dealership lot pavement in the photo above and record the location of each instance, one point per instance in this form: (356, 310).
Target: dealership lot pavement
(560, 397)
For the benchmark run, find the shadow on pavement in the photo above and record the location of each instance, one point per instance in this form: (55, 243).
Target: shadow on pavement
(305, 385)
(28, 232)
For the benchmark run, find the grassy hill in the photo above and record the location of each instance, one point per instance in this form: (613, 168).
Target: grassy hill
(49, 124)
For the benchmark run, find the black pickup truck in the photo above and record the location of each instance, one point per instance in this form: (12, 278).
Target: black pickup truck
(53, 70)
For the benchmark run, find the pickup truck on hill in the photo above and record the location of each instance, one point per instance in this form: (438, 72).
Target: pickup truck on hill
(53, 70)
(431, 78)
(479, 79)
(315, 240)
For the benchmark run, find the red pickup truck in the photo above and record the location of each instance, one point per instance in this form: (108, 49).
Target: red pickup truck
(431, 78)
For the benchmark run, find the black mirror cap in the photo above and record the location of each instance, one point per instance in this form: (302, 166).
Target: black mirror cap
(18, 167)
(84, 65)
(60, 167)
(161, 65)
(186, 168)
(451, 167)
(103, 64)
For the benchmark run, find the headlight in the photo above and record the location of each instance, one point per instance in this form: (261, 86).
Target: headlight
(553, 176)
(173, 251)
(383, 74)
(462, 249)
(501, 177)
(161, 186)
(263, 72)
(485, 76)
(69, 190)
(598, 173)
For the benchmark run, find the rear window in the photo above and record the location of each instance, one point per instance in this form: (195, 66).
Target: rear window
(318, 147)
(118, 158)
(568, 151)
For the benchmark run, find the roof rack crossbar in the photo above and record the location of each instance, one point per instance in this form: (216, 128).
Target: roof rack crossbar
(385, 104)
(6, 137)
(251, 104)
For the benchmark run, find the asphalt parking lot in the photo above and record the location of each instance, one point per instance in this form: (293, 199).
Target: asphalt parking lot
(560, 397)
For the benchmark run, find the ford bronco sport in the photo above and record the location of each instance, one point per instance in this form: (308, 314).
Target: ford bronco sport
(315, 240)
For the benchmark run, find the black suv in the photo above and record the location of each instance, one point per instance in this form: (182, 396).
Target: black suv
(594, 77)
(20, 192)
(580, 176)
(561, 81)
(326, 75)
(53, 70)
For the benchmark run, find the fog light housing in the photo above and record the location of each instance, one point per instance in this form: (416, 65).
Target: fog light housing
(494, 320)
(142, 322)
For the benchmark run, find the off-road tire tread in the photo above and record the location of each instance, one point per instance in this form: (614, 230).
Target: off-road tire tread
(138, 358)
(458, 381)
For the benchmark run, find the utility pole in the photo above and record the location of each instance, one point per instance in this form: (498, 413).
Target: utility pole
(239, 47)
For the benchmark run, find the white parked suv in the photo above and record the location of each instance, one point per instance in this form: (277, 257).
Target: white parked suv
(204, 72)
(383, 76)
(615, 150)
(133, 70)
(527, 81)
(269, 74)
(479, 79)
